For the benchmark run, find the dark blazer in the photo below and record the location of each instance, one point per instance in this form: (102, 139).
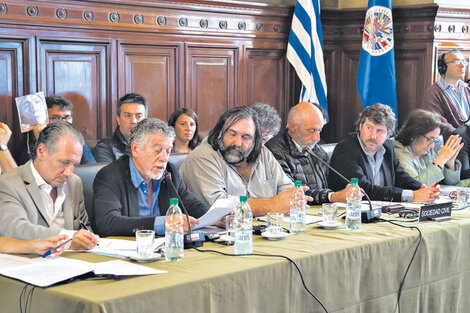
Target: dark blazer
(110, 148)
(351, 161)
(115, 209)
(298, 166)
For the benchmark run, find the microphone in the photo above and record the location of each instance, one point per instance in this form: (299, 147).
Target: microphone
(190, 240)
(367, 216)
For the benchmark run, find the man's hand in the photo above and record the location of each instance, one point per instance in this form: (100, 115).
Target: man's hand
(5, 133)
(282, 199)
(42, 246)
(340, 196)
(84, 240)
(427, 194)
(193, 221)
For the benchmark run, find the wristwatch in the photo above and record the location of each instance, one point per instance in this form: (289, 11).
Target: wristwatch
(3, 147)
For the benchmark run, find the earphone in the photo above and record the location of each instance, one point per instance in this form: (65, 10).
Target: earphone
(441, 63)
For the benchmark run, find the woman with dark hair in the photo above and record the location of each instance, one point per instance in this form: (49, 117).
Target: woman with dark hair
(186, 129)
(414, 149)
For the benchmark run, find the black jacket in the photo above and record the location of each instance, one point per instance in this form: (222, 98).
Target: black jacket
(301, 167)
(116, 204)
(110, 148)
(351, 161)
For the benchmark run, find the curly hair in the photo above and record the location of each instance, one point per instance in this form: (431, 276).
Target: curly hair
(419, 123)
(378, 113)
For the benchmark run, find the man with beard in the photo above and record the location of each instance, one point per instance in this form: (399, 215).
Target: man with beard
(304, 124)
(232, 161)
(134, 191)
(369, 156)
(43, 197)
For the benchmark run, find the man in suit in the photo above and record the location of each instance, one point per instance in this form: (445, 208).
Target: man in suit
(131, 109)
(304, 125)
(43, 197)
(134, 191)
(369, 156)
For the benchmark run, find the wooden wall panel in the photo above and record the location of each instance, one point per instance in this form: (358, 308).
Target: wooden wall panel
(265, 73)
(151, 71)
(211, 82)
(79, 73)
(16, 77)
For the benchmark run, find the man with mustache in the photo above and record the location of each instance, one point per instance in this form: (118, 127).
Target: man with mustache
(43, 197)
(232, 161)
(369, 156)
(134, 191)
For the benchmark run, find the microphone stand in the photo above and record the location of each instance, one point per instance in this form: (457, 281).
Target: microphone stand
(369, 215)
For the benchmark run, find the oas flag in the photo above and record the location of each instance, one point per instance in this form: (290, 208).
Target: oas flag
(376, 81)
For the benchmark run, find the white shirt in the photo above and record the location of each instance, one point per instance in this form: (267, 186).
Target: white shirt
(55, 212)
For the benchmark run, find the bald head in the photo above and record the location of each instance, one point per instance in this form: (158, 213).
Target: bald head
(305, 122)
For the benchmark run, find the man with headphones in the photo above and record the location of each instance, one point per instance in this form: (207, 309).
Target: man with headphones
(450, 98)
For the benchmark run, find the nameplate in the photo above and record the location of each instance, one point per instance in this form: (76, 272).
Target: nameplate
(430, 211)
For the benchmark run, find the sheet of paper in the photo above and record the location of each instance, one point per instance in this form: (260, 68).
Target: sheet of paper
(309, 219)
(123, 268)
(49, 271)
(8, 260)
(219, 209)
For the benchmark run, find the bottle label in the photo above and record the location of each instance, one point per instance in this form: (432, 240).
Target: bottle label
(297, 217)
(242, 236)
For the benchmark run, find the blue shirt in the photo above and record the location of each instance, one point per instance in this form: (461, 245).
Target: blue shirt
(145, 210)
(458, 98)
(375, 162)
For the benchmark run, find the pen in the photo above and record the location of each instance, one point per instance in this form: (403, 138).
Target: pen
(48, 253)
(82, 225)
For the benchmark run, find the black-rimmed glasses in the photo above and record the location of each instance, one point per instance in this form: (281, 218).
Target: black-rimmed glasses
(431, 141)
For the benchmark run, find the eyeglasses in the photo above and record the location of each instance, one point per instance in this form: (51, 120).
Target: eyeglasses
(458, 62)
(56, 118)
(431, 141)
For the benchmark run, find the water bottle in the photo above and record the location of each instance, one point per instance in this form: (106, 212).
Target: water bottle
(353, 206)
(243, 228)
(297, 209)
(174, 232)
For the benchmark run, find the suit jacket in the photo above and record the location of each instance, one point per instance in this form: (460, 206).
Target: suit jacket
(298, 166)
(110, 148)
(23, 214)
(116, 204)
(351, 161)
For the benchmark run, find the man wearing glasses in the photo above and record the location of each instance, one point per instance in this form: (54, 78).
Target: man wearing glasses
(369, 156)
(59, 109)
(450, 98)
(304, 124)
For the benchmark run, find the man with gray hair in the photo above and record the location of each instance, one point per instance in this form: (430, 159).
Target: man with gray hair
(43, 197)
(289, 147)
(269, 120)
(369, 156)
(134, 191)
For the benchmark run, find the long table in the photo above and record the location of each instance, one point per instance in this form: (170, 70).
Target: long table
(349, 271)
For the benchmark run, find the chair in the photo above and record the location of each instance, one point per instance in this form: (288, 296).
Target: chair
(87, 173)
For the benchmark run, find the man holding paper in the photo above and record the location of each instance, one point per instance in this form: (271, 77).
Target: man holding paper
(43, 197)
(134, 191)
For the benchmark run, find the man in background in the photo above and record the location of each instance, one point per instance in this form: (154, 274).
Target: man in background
(58, 109)
(131, 109)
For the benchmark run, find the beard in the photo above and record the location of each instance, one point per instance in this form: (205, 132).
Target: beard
(233, 154)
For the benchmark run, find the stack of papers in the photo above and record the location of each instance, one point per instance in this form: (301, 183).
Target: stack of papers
(44, 272)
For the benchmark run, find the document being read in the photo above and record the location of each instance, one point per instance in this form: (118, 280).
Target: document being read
(45, 272)
(219, 209)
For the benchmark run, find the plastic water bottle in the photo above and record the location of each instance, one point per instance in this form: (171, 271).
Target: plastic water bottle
(243, 228)
(297, 209)
(174, 232)
(353, 206)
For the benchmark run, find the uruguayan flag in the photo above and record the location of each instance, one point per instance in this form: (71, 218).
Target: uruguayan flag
(305, 51)
(376, 81)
